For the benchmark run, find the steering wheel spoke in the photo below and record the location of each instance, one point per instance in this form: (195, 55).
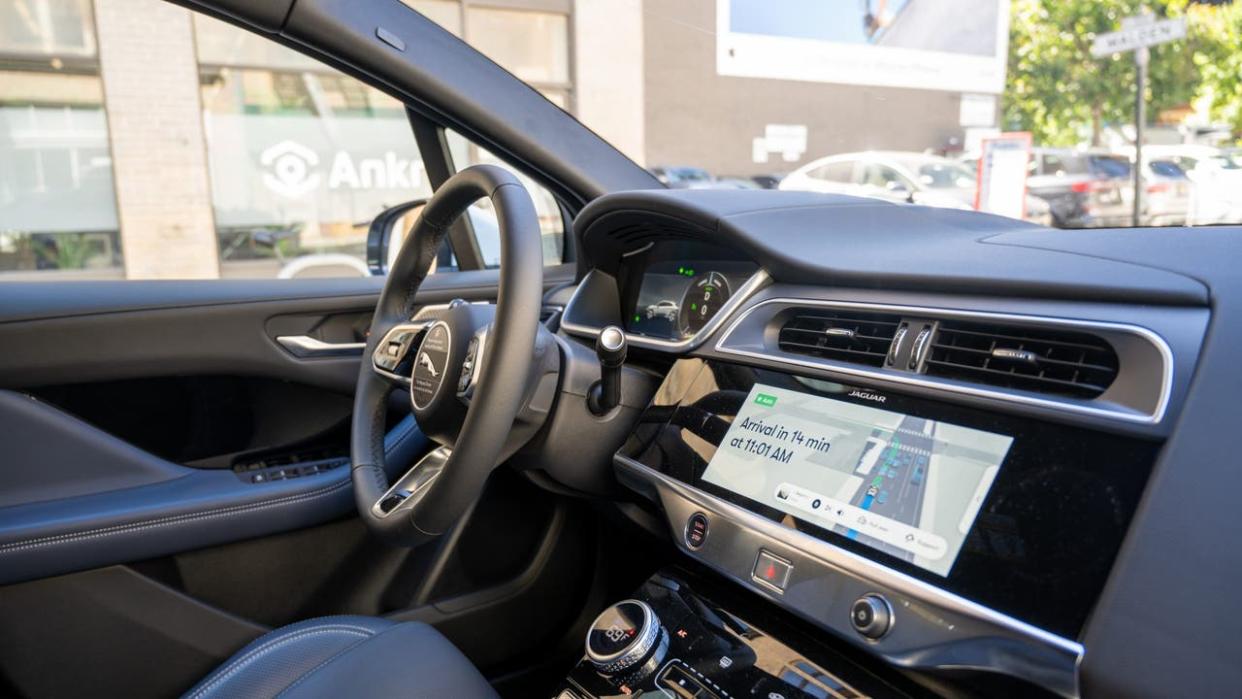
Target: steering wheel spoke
(392, 358)
(414, 485)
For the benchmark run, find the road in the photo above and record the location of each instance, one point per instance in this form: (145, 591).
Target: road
(899, 479)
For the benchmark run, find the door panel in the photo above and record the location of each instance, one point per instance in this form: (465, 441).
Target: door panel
(79, 495)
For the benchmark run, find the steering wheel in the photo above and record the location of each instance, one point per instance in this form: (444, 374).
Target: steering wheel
(468, 365)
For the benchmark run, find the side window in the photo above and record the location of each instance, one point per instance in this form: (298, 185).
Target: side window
(884, 177)
(551, 222)
(166, 144)
(301, 157)
(841, 172)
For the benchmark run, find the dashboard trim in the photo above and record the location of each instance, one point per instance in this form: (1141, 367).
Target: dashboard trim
(757, 281)
(931, 643)
(1150, 336)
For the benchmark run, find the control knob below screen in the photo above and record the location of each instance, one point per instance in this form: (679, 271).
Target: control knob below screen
(626, 640)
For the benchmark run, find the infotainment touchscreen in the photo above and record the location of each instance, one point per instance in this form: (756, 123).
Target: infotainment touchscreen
(908, 486)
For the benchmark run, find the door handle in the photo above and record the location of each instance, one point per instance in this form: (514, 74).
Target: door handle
(305, 347)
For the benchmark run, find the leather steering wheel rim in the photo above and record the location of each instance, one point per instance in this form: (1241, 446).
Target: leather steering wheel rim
(501, 381)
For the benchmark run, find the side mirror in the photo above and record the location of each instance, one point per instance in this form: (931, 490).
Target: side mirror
(380, 250)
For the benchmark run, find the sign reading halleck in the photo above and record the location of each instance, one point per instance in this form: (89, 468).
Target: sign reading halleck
(904, 485)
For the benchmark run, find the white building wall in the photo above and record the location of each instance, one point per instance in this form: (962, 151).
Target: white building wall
(608, 71)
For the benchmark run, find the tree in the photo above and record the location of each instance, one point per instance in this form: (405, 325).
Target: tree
(1056, 89)
(1217, 52)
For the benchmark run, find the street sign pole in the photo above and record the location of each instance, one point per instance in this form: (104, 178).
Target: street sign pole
(1141, 57)
(1137, 34)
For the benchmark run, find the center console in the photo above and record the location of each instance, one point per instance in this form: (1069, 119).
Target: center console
(933, 535)
(672, 642)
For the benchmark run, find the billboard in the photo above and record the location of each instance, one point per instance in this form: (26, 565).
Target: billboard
(951, 45)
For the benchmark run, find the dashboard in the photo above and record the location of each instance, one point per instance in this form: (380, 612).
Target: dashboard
(953, 414)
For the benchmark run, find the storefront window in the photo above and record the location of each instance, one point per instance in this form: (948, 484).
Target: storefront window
(301, 157)
(57, 201)
(47, 27)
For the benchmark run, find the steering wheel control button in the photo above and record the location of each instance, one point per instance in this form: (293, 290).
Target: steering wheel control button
(871, 616)
(696, 531)
(771, 571)
(430, 363)
(626, 637)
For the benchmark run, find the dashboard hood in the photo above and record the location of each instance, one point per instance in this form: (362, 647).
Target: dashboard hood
(834, 239)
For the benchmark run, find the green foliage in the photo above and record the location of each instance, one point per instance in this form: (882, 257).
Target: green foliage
(1056, 89)
(1218, 56)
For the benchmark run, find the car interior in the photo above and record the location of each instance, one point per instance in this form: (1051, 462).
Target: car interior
(733, 443)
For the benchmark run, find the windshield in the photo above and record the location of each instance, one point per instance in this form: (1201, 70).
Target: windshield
(1024, 108)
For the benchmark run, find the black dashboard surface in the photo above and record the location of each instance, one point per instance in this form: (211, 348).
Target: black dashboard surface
(1168, 620)
(836, 239)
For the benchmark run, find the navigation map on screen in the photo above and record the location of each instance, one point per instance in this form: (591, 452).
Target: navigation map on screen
(907, 486)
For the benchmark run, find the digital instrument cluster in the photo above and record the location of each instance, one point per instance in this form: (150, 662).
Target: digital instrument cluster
(676, 299)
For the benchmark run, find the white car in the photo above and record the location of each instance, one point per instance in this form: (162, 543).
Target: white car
(915, 178)
(1217, 178)
(893, 176)
(663, 309)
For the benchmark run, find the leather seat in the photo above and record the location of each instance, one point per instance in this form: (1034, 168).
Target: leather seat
(347, 656)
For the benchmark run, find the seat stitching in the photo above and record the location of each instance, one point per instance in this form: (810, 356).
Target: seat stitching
(254, 654)
(162, 521)
(330, 659)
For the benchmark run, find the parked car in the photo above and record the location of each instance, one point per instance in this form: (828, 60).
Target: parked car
(735, 183)
(893, 176)
(1084, 189)
(1167, 193)
(1216, 195)
(771, 181)
(684, 177)
(915, 178)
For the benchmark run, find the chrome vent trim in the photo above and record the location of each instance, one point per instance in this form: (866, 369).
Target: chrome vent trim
(1104, 410)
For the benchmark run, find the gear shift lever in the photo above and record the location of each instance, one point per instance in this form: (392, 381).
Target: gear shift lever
(610, 347)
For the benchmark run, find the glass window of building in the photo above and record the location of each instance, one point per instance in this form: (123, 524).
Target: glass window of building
(302, 157)
(57, 201)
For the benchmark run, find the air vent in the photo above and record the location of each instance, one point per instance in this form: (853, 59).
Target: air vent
(846, 336)
(1065, 363)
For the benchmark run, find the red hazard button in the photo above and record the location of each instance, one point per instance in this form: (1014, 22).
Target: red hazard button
(771, 571)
